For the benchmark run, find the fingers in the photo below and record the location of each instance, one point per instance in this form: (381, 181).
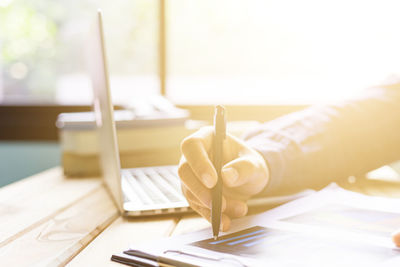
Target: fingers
(396, 238)
(190, 181)
(191, 198)
(239, 171)
(235, 208)
(206, 213)
(194, 148)
(231, 208)
(199, 192)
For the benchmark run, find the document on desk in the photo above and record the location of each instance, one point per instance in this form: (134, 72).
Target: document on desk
(332, 227)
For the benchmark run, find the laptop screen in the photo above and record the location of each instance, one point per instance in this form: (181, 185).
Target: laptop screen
(103, 108)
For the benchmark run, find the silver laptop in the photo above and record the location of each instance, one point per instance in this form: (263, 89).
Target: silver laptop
(138, 191)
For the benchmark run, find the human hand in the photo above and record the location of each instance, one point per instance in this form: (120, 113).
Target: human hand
(244, 174)
(396, 238)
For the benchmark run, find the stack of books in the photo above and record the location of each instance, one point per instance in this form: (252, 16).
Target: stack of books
(145, 140)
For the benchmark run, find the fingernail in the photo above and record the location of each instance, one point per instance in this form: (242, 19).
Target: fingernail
(231, 175)
(208, 180)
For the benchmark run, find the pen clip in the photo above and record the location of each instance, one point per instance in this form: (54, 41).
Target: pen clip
(220, 120)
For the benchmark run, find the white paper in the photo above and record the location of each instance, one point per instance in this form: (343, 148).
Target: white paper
(332, 227)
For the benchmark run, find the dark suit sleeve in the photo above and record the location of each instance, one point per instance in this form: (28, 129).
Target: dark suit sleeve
(321, 144)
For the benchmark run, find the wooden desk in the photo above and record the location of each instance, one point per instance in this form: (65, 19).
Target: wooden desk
(51, 220)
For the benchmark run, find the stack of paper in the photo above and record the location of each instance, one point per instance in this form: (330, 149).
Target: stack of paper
(332, 227)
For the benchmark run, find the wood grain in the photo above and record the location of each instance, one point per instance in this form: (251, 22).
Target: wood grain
(50, 220)
(58, 239)
(26, 204)
(120, 235)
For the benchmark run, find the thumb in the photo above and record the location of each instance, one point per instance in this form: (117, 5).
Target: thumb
(239, 171)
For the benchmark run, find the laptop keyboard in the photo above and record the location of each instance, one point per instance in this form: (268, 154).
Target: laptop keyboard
(152, 186)
(157, 190)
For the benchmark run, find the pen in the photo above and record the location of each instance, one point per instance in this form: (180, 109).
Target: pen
(216, 191)
(143, 259)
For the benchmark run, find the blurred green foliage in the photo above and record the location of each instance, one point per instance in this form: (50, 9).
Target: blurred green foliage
(28, 39)
(24, 32)
(42, 41)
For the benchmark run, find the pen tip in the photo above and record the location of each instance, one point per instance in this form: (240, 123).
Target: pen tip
(215, 237)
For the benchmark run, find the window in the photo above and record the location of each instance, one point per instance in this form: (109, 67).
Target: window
(274, 52)
(42, 48)
(229, 51)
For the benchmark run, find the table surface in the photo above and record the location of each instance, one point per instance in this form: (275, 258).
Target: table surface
(51, 220)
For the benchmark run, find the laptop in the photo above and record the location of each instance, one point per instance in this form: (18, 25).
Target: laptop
(137, 191)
